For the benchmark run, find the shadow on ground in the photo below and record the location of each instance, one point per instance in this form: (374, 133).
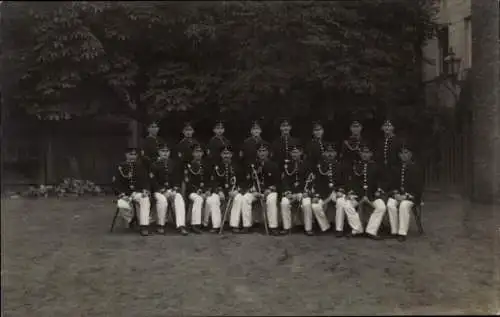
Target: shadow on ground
(60, 260)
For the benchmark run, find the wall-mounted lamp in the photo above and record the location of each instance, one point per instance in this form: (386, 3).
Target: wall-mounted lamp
(453, 64)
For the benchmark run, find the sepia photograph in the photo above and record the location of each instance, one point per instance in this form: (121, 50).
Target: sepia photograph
(250, 158)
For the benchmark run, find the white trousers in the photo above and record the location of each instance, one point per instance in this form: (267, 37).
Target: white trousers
(213, 211)
(126, 211)
(376, 217)
(238, 212)
(399, 216)
(162, 203)
(271, 207)
(309, 209)
(349, 206)
(286, 212)
(197, 201)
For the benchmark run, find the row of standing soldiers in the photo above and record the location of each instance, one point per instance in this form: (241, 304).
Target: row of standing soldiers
(354, 174)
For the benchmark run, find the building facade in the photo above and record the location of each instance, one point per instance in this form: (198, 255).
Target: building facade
(454, 39)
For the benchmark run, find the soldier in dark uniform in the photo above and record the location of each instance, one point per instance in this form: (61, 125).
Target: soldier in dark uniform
(329, 186)
(225, 176)
(281, 146)
(217, 143)
(265, 174)
(185, 146)
(166, 175)
(365, 185)
(151, 144)
(387, 151)
(407, 186)
(350, 147)
(296, 178)
(248, 152)
(197, 178)
(317, 146)
(131, 184)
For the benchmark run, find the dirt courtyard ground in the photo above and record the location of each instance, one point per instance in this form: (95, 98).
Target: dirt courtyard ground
(60, 260)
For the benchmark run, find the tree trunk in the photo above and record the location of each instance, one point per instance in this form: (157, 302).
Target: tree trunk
(133, 139)
(50, 159)
(486, 113)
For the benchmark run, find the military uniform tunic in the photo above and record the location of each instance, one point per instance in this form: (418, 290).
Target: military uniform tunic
(223, 175)
(365, 179)
(215, 145)
(294, 176)
(150, 148)
(267, 173)
(167, 174)
(131, 177)
(350, 150)
(408, 178)
(315, 151)
(248, 152)
(185, 149)
(329, 176)
(281, 149)
(197, 176)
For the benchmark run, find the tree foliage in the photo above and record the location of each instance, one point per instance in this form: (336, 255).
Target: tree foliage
(140, 59)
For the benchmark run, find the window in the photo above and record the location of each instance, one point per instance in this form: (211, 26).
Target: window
(443, 45)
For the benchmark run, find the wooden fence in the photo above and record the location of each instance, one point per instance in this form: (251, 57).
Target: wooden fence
(94, 158)
(88, 157)
(449, 168)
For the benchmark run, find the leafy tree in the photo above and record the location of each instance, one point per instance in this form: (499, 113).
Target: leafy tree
(248, 58)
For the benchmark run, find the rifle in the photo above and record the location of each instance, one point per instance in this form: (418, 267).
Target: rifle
(261, 198)
(228, 204)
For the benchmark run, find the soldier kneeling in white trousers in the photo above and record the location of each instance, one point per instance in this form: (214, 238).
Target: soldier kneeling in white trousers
(239, 213)
(314, 206)
(213, 211)
(407, 183)
(163, 199)
(126, 212)
(166, 179)
(399, 215)
(270, 198)
(131, 184)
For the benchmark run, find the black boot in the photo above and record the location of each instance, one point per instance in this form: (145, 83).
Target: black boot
(285, 232)
(373, 237)
(309, 233)
(245, 230)
(401, 238)
(160, 229)
(339, 234)
(196, 229)
(144, 231)
(274, 232)
(183, 231)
